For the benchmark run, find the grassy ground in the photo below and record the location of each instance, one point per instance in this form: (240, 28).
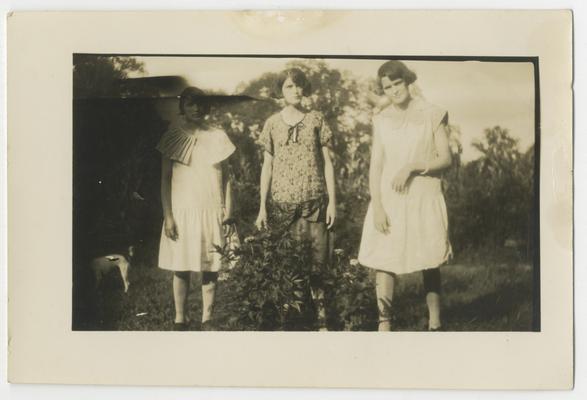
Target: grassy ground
(480, 297)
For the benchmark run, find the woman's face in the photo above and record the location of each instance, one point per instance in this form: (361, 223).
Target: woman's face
(193, 110)
(396, 90)
(292, 93)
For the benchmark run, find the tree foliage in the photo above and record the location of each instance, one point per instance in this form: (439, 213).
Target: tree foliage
(99, 76)
(490, 199)
(115, 165)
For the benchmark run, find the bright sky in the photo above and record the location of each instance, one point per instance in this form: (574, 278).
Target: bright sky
(477, 95)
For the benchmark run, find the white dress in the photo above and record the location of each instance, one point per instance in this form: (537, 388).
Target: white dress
(197, 199)
(418, 232)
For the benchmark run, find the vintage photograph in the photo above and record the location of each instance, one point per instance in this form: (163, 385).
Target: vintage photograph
(291, 199)
(305, 193)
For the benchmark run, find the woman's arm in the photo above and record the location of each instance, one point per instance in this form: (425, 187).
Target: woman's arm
(330, 187)
(228, 193)
(266, 174)
(375, 170)
(443, 159)
(166, 174)
(380, 217)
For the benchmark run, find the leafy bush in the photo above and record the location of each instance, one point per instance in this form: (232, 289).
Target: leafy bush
(491, 200)
(269, 287)
(350, 289)
(266, 288)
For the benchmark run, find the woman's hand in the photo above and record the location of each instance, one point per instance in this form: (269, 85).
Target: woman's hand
(228, 226)
(400, 181)
(330, 215)
(380, 219)
(171, 228)
(261, 222)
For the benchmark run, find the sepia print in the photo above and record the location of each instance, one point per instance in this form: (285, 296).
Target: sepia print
(327, 199)
(305, 193)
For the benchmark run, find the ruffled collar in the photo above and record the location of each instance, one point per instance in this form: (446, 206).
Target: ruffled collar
(178, 142)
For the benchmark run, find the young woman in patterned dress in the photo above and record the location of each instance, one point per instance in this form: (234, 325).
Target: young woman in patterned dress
(298, 173)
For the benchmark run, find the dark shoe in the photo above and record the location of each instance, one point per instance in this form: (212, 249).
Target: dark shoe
(180, 326)
(208, 326)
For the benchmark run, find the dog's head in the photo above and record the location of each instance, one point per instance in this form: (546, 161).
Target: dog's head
(103, 265)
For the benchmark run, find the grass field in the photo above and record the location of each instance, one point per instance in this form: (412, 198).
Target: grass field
(478, 297)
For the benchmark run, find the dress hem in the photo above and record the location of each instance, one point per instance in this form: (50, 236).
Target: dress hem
(187, 269)
(388, 269)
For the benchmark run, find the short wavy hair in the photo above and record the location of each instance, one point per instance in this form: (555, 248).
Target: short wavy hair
(394, 70)
(297, 76)
(193, 95)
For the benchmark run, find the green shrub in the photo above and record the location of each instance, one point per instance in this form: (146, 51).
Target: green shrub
(269, 288)
(350, 291)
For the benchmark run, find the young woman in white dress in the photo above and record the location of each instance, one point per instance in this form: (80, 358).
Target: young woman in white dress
(406, 228)
(197, 202)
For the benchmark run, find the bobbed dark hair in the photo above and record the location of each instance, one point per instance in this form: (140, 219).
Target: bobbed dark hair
(394, 70)
(297, 76)
(192, 95)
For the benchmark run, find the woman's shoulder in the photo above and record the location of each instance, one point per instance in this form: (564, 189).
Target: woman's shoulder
(272, 121)
(276, 116)
(432, 113)
(214, 130)
(376, 116)
(427, 107)
(316, 114)
(215, 145)
(212, 134)
(176, 144)
(316, 117)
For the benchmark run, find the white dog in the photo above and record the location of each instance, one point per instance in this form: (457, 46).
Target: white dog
(102, 265)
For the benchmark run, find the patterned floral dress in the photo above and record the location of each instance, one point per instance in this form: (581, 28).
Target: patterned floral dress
(298, 185)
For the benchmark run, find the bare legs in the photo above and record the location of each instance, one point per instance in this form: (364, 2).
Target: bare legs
(208, 293)
(385, 285)
(432, 286)
(181, 285)
(433, 302)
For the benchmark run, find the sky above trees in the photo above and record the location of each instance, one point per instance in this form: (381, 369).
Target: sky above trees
(478, 95)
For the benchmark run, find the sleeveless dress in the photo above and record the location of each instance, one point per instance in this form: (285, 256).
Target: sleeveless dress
(418, 232)
(197, 200)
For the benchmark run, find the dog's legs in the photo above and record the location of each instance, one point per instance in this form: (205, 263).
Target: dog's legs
(124, 266)
(181, 285)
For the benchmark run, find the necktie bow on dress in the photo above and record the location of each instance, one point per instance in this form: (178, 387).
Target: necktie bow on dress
(293, 132)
